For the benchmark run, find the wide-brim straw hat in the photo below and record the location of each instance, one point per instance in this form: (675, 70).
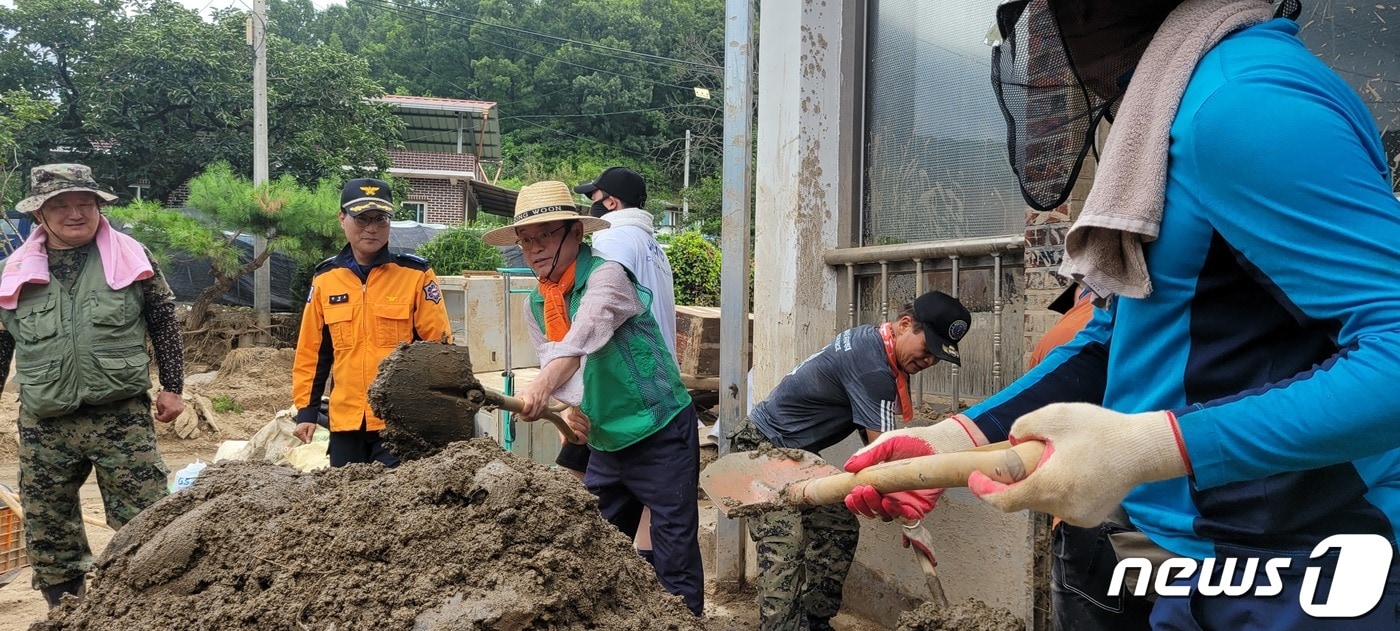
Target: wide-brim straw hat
(50, 180)
(542, 202)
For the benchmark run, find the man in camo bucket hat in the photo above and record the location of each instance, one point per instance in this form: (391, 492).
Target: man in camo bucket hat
(56, 179)
(78, 300)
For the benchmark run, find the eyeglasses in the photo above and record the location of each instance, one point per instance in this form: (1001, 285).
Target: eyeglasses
(373, 219)
(526, 243)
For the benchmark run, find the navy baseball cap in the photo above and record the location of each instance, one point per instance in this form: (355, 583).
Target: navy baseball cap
(945, 322)
(366, 194)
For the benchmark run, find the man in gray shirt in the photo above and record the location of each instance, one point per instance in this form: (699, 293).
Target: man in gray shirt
(859, 382)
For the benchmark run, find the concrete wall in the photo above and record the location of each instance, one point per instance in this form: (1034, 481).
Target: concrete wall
(809, 136)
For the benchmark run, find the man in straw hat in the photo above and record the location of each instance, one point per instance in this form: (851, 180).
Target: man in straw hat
(79, 346)
(601, 350)
(363, 302)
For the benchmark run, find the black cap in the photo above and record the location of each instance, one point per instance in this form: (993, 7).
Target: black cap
(365, 194)
(945, 321)
(620, 182)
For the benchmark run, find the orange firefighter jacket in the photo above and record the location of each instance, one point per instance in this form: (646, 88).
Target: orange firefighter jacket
(351, 323)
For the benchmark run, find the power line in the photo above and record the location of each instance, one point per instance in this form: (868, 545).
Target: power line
(649, 109)
(393, 8)
(463, 18)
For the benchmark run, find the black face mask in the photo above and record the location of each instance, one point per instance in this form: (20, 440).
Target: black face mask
(598, 209)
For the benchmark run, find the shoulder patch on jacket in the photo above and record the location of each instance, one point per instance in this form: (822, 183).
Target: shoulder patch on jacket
(431, 292)
(325, 266)
(412, 261)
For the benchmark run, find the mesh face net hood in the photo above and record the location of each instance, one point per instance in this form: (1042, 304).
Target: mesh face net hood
(1059, 68)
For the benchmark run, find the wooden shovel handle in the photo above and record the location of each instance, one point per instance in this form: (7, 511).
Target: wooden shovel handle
(938, 471)
(512, 404)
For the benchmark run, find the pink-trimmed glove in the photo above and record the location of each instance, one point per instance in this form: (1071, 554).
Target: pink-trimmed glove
(1093, 458)
(945, 436)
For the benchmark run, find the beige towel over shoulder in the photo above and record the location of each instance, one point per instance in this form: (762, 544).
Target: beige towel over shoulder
(1124, 209)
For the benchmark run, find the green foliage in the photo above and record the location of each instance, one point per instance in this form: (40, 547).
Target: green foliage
(151, 91)
(297, 221)
(19, 112)
(459, 248)
(224, 404)
(695, 264)
(566, 110)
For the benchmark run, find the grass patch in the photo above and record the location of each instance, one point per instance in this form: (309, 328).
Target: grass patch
(225, 403)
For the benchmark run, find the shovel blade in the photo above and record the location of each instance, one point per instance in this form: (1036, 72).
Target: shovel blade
(751, 482)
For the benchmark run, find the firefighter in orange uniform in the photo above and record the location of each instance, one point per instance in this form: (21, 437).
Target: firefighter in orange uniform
(363, 302)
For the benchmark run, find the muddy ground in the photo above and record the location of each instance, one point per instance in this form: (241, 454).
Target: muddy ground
(263, 547)
(473, 538)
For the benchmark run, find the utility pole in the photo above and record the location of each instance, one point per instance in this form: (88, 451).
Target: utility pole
(685, 182)
(262, 277)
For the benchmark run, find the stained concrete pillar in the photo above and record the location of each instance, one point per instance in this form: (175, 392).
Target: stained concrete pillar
(806, 195)
(807, 201)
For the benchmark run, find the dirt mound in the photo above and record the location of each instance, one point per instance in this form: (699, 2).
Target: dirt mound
(251, 386)
(969, 615)
(473, 538)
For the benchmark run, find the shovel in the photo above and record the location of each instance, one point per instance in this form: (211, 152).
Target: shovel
(753, 482)
(428, 397)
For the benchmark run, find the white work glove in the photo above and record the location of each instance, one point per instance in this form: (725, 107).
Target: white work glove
(946, 436)
(1093, 458)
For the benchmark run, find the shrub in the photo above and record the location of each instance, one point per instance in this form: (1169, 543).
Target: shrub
(695, 263)
(460, 248)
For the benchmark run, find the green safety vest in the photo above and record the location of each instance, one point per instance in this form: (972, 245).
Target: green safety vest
(631, 386)
(87, 347)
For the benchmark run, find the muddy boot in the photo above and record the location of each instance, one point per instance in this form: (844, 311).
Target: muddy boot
(55, 593)
(818, 624)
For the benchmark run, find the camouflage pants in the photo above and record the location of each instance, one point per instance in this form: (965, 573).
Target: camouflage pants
(803, 555)
(55, 457)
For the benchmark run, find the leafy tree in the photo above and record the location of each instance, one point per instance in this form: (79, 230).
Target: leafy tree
(695, 264)
(19, 112)
(297, 221)
(562, 102)
(152, 91)
(460, 248)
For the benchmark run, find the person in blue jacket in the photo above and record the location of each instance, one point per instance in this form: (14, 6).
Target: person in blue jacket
(1237, 399)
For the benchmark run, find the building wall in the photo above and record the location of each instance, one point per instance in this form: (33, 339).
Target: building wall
(808, 180)
(461, 162)
(446, 202)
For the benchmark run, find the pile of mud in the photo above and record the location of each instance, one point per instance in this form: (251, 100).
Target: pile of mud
(969, 615)
(257, 378)
(472, 538)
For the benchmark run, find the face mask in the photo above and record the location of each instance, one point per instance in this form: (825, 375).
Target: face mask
(598, 209)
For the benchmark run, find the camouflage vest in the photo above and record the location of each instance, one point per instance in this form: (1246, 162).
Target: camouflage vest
(631, 386)
(84, 347)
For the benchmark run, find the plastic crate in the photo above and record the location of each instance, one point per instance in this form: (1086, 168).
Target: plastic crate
(11, 541)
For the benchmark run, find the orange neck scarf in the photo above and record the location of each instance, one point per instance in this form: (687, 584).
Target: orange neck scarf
(901, 378)
(556, 307)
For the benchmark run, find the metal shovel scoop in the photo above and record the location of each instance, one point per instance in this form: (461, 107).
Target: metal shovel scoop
(752, 482)
(428, 397)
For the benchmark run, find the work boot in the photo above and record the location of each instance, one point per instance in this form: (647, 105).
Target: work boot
(55, 593)
(818, 624)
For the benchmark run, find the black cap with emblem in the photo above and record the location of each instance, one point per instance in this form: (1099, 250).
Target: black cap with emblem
(945, 322)
(365, 194)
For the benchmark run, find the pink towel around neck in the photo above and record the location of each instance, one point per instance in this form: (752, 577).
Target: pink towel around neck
(124, 262)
